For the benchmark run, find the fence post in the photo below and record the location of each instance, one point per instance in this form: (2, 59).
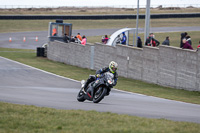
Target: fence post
(92, 57)
(137, 22)
(147, 20)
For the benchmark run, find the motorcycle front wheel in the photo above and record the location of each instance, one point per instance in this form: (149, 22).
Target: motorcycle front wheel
(99, 96)
(80, 96)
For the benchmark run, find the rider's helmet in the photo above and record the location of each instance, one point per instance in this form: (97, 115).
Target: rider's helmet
(113, 66)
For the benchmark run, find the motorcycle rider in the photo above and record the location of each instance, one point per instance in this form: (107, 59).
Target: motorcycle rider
(111, 68)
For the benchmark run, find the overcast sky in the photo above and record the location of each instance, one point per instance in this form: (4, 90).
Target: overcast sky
(94, 2)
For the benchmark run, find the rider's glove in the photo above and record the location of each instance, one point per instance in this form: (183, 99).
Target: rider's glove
(98, 75)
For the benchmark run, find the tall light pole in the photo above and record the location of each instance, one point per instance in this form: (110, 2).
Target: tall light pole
(137, 21)
(147, 20)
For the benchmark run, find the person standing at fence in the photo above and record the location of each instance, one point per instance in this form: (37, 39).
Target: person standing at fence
(66, 38)
(198, 45)
(77, 40)
(151, 41)
(188, 38)
(54, 33)
(72, 39)
(166, 42)
(79, 36)
(105, 39)
(84, 40)
(186, 45)
(139, 42)
(123, 39)
(183, 35)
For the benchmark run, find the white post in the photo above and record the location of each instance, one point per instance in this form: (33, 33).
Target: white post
(147, 20)
(137, 22)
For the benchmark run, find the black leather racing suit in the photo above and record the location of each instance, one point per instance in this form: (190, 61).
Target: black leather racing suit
(101, 71)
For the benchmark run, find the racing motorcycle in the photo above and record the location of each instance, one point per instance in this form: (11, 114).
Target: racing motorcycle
(97, 89)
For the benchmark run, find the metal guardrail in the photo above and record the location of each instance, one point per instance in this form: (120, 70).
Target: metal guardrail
(142, 16)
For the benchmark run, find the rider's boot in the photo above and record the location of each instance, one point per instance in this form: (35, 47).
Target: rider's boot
(84, 87)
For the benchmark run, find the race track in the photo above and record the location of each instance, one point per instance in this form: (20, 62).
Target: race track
(23, 84)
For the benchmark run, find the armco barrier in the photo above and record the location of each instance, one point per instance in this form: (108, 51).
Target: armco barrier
(166, 65)
(141, 16)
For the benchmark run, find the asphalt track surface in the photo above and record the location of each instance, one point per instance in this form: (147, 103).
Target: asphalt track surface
(30, 43)
(22, 84)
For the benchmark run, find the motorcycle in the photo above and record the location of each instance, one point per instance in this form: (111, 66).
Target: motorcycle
(97, 89)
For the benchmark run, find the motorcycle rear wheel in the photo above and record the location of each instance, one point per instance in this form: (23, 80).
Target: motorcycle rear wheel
(98, 97)
(80, 96)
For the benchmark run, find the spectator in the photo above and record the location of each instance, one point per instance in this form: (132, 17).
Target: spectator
(186, 45)
(198, 45)
(102, 39)
(79, 36)
(151, 41)
(105, 39)
(66, 38)
(54, 33)
(84, 40)
(183, 35)
(72, 39)
(123, 41)
(166, 42)
(188, 38)
(139, 42)
(77, 40)
(148, 40)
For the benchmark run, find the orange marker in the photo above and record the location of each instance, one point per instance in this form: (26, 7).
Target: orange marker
(10, 39)
(36, 39)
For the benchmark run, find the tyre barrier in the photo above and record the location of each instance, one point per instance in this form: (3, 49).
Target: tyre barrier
(41, 52)
(141, 16)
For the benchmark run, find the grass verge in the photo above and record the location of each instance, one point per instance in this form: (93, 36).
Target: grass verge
(42, 25)
(77, 73)
(31, 119)
(92, 11)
